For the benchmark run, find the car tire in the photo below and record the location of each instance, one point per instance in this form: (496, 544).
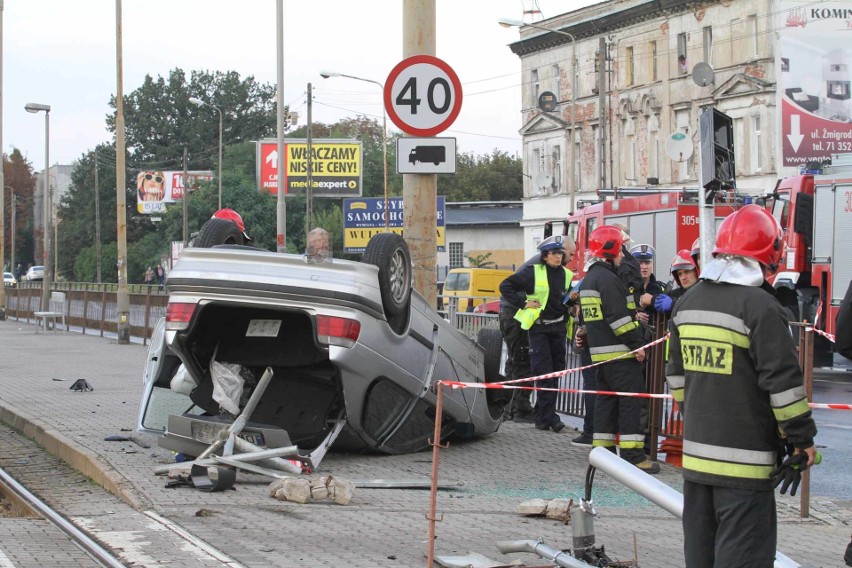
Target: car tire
(218, 232)
(389, 252)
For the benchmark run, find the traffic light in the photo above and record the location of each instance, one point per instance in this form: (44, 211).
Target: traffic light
(716, 130)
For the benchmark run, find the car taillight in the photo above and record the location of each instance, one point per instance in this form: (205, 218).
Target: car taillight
(178, 315)
(333, 330)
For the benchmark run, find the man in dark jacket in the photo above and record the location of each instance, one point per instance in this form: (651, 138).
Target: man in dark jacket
(734, 372)
(539, 293)
(613, 334)
(843, 344)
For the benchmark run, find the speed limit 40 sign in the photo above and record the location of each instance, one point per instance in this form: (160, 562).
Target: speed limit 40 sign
(423, 95)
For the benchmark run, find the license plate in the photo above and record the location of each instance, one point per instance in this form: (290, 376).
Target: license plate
(253, 438)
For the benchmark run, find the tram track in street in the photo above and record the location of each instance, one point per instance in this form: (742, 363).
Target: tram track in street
(24, 503)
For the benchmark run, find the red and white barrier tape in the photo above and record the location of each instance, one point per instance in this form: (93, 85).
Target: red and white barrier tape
(461, 385)
(557, 374)
(828, 336)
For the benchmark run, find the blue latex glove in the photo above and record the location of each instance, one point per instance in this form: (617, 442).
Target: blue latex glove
(663, 303)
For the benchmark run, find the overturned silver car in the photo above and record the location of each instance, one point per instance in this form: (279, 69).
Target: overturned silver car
(354, 350)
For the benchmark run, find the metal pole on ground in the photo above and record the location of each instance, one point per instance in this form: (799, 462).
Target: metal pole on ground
(433, 493)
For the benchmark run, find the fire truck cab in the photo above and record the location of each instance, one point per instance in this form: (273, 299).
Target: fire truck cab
(815, 211)
(667, 219)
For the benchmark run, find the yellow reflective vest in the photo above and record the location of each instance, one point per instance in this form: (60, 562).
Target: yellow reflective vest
(528, 316)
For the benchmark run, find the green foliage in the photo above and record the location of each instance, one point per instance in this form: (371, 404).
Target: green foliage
(85, 265)
(159, 120)
(481, 261)
(494, 177)
(18, 175)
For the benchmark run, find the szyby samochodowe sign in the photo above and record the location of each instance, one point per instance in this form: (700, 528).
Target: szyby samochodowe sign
(365, 217)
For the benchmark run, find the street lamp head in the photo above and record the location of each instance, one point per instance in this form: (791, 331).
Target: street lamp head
(327, 74)
(196, 101)
(36, 107)
(510, 23)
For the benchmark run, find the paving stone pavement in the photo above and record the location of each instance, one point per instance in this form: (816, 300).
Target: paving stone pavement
(381, 527)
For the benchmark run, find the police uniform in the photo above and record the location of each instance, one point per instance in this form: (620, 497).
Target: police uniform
(607, 311)
(546, 327)
(733, 370)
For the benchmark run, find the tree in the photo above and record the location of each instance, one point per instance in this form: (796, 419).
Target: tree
(494, 177)
(481, 261)
(18, 175)
(160, 120)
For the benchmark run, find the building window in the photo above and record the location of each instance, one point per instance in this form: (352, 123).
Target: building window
(752, 33)
(535, 86)
(597, 62)
(708, 45)
(628, 68)
(754, 147)
(682, 64)
(632, 164)
(554, 80)
(652, 50)
(596, 134)
(653, 155)
(456, 255)
(577, 168)
(739, 144)
(557, 169)
(682, 124)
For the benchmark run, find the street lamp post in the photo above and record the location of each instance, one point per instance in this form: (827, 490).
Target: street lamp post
(199, 102)
(510, 23)
(45, 284)
(326, 75)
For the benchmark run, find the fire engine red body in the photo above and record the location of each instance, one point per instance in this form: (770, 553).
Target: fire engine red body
(667, 220)
(814, 210)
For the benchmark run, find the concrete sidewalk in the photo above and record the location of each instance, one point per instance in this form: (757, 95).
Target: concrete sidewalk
(381, 527)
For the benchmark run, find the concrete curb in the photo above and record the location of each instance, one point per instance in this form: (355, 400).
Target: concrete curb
(77, 457)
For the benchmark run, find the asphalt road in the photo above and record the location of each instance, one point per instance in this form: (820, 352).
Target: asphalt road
(834, 475)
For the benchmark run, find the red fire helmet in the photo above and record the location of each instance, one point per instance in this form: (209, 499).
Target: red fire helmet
(605, 241)
(682, 261)
(751, 232)
(231, 215)
(696, 247)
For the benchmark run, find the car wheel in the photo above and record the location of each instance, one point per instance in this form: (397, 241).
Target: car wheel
(491, 340)
(389, 252)
(218, 232)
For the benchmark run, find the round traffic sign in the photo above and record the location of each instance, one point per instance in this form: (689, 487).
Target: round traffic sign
(423, 95)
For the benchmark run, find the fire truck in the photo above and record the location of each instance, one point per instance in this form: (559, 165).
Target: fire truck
(813, 208)
(667, 219)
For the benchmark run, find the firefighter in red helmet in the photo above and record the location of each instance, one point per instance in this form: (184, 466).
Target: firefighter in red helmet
(734, 372)
(613, 332)
(684, 275)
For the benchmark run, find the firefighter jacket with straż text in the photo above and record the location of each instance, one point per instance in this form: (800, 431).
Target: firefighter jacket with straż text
(540, 282)
(611, 328)
(733, 369)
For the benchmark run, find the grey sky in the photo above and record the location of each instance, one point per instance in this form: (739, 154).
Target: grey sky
(62, 53)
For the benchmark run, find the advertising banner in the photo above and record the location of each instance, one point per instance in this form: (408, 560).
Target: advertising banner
(156, 189)
(363, 218)
(335, 167)
(814, 70)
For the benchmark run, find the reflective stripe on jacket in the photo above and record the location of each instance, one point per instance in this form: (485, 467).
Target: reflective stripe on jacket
(528, 316)
(733, 369)
(611, 328)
